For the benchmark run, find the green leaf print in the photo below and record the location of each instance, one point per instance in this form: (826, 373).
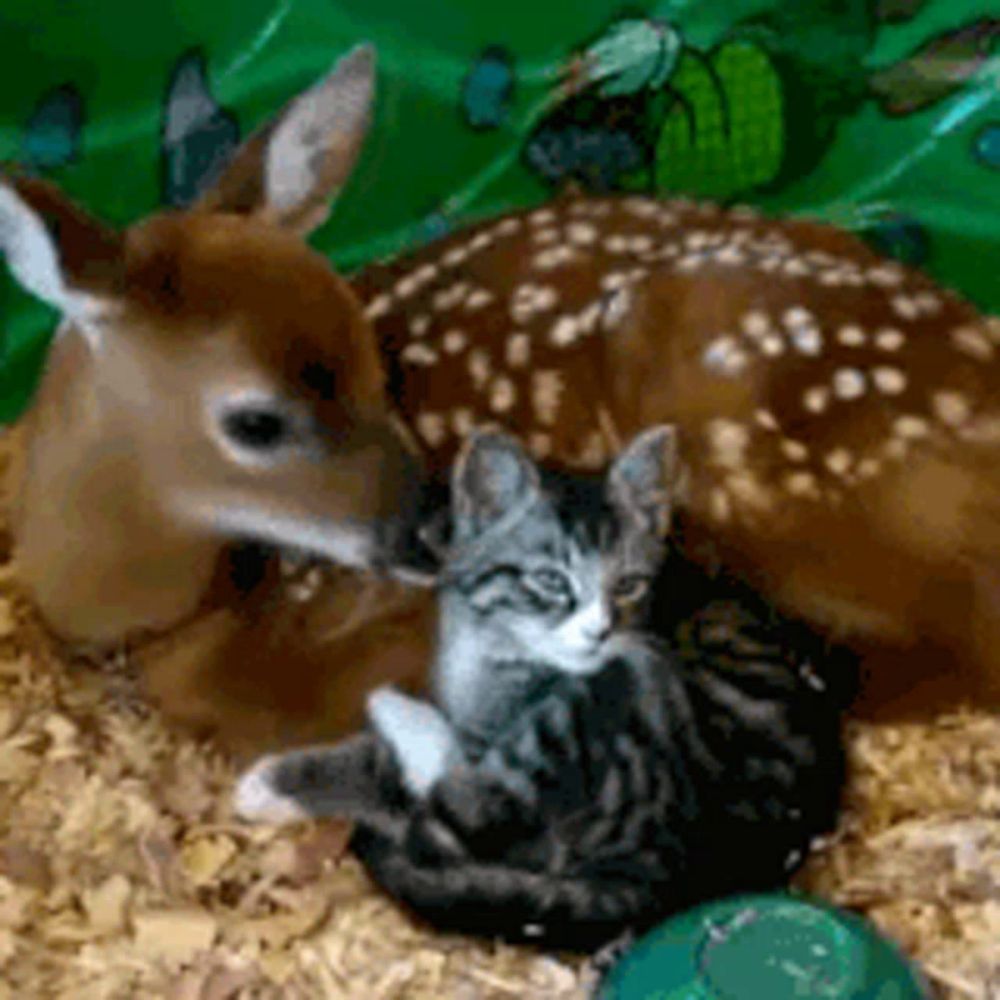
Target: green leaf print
(724, 133)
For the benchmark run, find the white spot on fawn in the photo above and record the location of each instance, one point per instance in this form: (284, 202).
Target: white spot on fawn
(581, 233)
(542, 217)
(518, 350)
(462, 421)
(755, 324)
(564, 331)
(905, 306)
(454, 341)
(479, 367)
(927, 302)
(951, 408)
(719, 504)
(449, 297)
(610, 310)
(546, 392)
(807, 340)
(838, 461)
(539, 444)
(868, 468)
(420, 324)
(378, 306)
(851, 336)
(765, 419)
(972, 341)
(478, 299)
(553, 257)
(419, 354)
(546, 237)
(728, 441)
(911, 427)
(772, 345)
(724, 355)
(802, 484)
(503, 395)
(612, 281)
(816, 398)
(795, 451)
(848, 383)
(891, 381)
(889, 339)
(480, 241)
(455, 256)
(431, 427)
(529, 299)
(885, 275)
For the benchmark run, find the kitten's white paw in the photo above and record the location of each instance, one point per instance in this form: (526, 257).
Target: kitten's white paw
(421, 738)
(256, 799)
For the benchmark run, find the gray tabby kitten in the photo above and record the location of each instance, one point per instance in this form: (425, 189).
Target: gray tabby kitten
(578, 776)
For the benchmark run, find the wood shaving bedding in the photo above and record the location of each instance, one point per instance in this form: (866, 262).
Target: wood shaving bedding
(123, 873)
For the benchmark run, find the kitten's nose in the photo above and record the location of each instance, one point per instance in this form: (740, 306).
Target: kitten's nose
(598, 633)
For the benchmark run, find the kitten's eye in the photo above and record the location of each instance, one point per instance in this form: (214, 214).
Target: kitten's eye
(548, 584)
(630, 589)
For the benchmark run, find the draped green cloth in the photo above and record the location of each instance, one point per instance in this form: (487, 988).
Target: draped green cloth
(880, 115)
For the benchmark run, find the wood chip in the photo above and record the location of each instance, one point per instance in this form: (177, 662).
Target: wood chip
(174, 935)
(203, 858)
(105, 905)
(8, 623)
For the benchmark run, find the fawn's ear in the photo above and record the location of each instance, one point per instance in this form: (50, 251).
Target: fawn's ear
(56, 251)
(292, 168)
(491, 477)
(642, 480)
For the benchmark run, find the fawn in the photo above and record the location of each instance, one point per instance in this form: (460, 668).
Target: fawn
(213, 381)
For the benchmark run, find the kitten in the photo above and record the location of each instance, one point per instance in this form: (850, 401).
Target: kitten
(593, 759)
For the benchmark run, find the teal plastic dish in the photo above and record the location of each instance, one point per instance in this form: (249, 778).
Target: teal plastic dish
(764, 947)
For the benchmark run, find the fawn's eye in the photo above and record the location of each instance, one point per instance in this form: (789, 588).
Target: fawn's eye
(257, 428)
(630, 589)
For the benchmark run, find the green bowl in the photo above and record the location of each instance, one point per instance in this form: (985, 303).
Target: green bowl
(764, 947)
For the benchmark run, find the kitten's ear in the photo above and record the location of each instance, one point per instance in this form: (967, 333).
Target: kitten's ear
(491, 476)
(642, 479)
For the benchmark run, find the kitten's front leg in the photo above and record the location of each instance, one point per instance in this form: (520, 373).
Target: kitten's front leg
(422, 739)
(341, 780)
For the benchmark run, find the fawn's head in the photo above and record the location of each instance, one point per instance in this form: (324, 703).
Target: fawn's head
(212, 375)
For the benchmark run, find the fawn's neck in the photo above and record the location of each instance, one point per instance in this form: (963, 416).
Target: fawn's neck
(106, 562)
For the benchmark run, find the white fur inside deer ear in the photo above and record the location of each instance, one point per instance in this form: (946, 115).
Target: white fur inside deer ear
(33, 258)
(30, 250)
(316, 142)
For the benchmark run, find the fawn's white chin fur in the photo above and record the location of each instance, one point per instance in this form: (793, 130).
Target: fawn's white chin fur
(255, 799)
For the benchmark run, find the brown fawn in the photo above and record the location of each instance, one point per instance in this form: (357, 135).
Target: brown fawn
(214, 381)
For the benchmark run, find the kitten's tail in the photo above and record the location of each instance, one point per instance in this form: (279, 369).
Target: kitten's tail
(517, 905)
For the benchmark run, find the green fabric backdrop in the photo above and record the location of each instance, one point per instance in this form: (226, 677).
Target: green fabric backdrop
(880, 115)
